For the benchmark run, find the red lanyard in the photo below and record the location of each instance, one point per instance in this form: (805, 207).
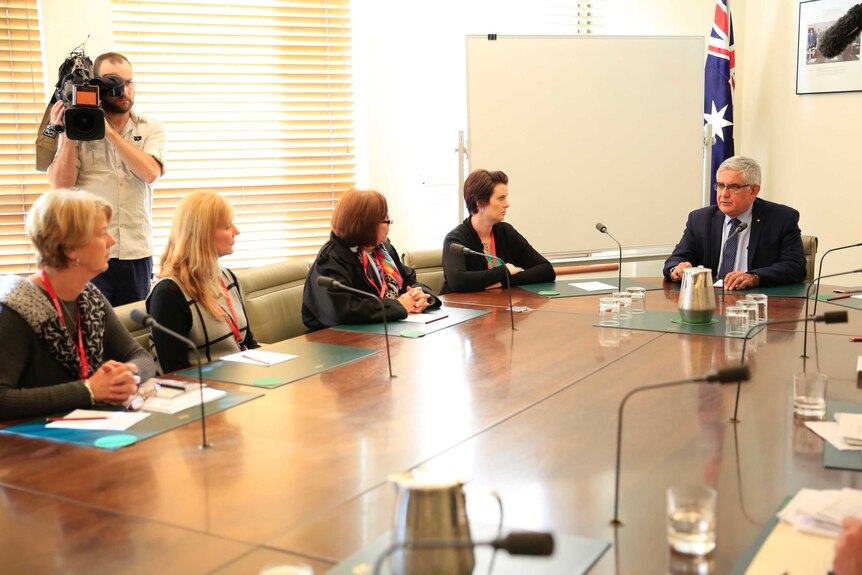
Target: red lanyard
(232, 321)
(492, 263)
(85, 364)
(382, 289)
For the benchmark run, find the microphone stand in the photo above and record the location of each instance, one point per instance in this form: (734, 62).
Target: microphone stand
(820, 271)
(828, 317)
(150, 322)
(738, 230)
(603, 229)
(724, 375)
(535, 544)
(464, 250)
(328, 282)
(807, 299)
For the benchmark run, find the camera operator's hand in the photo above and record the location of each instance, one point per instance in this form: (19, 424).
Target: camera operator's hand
(57, 111)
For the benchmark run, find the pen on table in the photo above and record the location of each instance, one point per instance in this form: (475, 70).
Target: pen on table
(252, 358)
(838, 297)
(437, 319)
(52, 419)
(856, 339)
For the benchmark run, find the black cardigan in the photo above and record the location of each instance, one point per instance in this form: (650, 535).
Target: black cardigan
(466, 273)
(322, 307)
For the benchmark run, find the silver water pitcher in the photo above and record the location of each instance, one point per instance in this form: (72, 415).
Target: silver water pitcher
(428, 510)
(696, 295)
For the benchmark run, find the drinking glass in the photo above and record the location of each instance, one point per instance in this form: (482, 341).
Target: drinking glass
(809, 394)
(638, 299)
(609, 311)
(691, 519)
(736, 321)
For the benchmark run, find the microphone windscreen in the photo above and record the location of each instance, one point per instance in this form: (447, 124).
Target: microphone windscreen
(730, 374)
(601, 227)
(525, 543)
(841, 34)
(140, 317)
(835, 317)
(456, 248)
(325, 282)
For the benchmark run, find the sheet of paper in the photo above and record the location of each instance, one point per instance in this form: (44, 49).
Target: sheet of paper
(828, 430)
(177, 403)
(259, 357)
(850, 425)
(788, 551)
(112, 420)
(427, 317)
(857, 296)
(593, 286)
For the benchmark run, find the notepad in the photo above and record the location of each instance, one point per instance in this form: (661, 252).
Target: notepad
(111, 420)
(259, 357)
(166, 401)
(427, 317)
(593, 286)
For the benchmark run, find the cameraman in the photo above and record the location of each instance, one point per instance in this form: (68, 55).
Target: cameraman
(121, 168)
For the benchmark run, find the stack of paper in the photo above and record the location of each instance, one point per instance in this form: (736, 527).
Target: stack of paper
(821, 512)
(845, 433)
(169, 400)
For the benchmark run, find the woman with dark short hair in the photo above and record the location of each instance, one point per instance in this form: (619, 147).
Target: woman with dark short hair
(63, 346)
(358, 254)
(487, 197)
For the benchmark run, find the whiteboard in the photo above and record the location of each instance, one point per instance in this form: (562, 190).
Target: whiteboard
(590, 129)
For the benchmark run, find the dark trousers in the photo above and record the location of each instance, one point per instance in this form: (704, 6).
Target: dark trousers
(126, 281)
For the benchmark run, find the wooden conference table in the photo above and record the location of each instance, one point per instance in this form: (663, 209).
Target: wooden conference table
(301, 474)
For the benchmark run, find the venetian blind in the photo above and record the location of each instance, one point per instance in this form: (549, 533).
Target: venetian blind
(256, 98)
(21, 107)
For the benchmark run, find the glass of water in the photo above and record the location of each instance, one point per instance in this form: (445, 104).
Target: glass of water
(762, 306)
(625, 299)
(753, 310)
(735, 321)
(638, 299)
(809, 394)
(691, 519)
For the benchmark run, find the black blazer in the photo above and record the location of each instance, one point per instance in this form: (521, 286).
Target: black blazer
(775, 250)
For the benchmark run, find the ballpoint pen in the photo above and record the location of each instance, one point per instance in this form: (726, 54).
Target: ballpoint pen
(252, 358)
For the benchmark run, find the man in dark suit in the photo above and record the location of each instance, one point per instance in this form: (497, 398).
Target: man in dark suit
(767, 253)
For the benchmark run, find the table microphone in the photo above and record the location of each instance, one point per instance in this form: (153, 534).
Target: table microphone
(333, 284)
(149, 321)
(738, 230)
(820, 271)
(724, 375)
(808, 297)
(828, 317)
(517, 543)
(603, 229)
(459, 249)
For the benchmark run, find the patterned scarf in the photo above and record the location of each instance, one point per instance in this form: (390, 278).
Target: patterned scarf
(29, 301)
(386, 269)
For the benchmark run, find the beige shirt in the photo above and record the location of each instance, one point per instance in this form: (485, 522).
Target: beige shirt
(103, 173)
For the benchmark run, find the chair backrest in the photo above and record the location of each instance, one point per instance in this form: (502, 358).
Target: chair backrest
(428, 265)
(140, 333)
(273, 299)
(809, 246)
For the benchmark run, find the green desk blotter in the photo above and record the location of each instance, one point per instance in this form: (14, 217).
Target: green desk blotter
(850, 302)
(312, 358)
(572, 555)
(153, 425)
(563, 289)
(455, 315)
(835, 458)
(666, 322)
(792, 290)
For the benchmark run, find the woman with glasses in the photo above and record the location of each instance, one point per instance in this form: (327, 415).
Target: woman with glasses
(63, 346)
(359, 255)
(487, 196)
(196, 297)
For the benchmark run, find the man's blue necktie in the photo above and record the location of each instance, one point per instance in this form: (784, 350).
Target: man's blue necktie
(728, 258)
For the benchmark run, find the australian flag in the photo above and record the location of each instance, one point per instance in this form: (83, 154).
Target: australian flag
(719, 85)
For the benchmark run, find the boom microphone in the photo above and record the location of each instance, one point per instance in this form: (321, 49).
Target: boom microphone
(149, 321)
(820, 270)
(335, 285)
(842, 33)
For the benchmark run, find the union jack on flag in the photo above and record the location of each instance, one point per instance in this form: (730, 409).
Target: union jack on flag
(720, 82)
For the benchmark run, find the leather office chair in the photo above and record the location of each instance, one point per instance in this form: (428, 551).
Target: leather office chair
(809, 246)
(428, 265)
(273, 299)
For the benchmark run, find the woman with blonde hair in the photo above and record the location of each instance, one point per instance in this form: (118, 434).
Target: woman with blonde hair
(196, 297)
(63, 346)
(359, 254)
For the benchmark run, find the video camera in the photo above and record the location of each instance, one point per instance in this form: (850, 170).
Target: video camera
(81, 91)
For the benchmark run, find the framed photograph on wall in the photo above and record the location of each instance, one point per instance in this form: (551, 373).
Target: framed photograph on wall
(815, 73)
